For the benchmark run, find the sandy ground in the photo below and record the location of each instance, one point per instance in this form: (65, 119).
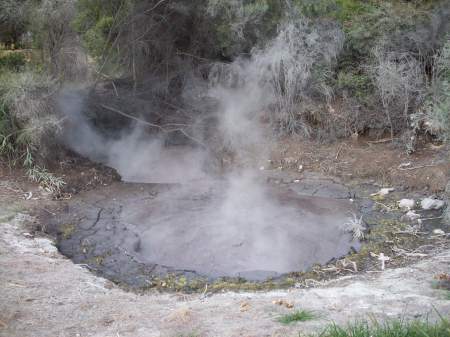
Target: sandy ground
(44, 294)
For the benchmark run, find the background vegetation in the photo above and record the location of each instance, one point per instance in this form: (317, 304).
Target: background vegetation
(390, 77)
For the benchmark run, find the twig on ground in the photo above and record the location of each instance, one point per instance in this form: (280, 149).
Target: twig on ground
(203, 295)
(385, 206)
(436, 218)
(416, 167)
(385, 140)
(403, 252)
(339, 151)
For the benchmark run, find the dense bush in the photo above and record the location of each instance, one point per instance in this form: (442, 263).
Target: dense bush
(240, 25)
(28, 123)
(346, 66)
(436, 115)
(99, 23)
(14, 17)
(13, 61)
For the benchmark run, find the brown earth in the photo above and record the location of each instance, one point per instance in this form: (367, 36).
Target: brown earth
(381, 162)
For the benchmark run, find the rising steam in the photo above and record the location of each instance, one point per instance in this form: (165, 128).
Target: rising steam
(235, 225)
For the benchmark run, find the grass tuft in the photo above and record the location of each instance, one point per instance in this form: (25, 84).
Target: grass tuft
(398, 328)
(298, 316)
(46, 179)
(447, 295)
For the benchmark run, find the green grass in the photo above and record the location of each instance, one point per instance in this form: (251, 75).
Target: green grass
(191, 334)
(298, 316)
(446, 295)
(398, 328)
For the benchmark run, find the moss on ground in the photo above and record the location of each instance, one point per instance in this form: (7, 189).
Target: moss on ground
(67, 230)
(383, 237)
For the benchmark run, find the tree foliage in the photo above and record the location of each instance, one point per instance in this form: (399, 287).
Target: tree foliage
(14, 16)
(158, 48)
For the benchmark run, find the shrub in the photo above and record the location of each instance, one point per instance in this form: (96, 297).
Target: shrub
(98, 22)
(302, 57)
(398, 78)
(436, 115)
(239, 25)
(13, 61)
(13, 21)
(27, 120)
(341, 10)
(357, 84)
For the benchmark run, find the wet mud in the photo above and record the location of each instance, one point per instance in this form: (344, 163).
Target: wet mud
(131, 233)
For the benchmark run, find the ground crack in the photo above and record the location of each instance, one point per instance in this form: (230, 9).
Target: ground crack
(99, 214)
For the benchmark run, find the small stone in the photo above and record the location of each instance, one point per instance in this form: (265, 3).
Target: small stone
(289, 305)
(46, 246)
(438, 232)
(290, 161)
(429, 204)
(447, 189)
(411, 215)
(407, 204)
(245, 306)
(262, 168)
(285, 303)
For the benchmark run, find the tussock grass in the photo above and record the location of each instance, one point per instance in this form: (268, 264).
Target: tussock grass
(398, 328)
(46, 179)
(298, 316)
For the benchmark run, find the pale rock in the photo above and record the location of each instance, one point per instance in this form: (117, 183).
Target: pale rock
(46, 246)
(384, 191)
(429, 204)
(438, 232)
(404, 165)
(411, 215)
(407, 204)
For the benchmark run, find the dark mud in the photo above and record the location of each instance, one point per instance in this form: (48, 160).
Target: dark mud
(131, 233)
(250, 229)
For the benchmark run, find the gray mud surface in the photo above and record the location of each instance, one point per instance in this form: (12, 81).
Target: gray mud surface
(130, 232)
